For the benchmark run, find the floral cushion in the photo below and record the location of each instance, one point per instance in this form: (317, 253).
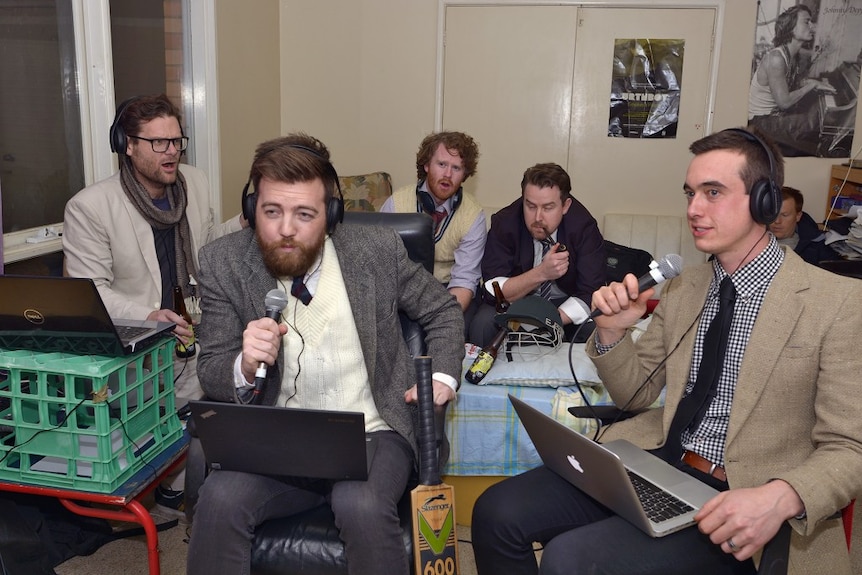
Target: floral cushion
(367, 192)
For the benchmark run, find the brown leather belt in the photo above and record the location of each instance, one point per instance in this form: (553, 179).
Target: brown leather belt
(695, 461)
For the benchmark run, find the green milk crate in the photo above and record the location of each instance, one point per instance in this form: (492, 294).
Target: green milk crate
(85, 422)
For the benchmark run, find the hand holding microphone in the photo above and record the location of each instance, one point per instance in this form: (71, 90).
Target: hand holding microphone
(618, 297)
(275, 302)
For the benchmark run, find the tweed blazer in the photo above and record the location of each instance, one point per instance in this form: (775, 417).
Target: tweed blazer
(380, 280)
(105, 238)
(796, 405)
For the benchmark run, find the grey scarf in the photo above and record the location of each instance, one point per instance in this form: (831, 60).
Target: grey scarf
(164, 219)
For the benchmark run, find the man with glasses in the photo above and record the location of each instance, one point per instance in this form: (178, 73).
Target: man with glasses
(138, 232)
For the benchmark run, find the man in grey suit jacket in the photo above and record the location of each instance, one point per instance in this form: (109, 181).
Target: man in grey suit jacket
(781, 438)
(338, 346)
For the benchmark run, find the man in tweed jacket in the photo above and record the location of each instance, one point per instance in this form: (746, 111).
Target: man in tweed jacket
(781, 440)
(342, 349)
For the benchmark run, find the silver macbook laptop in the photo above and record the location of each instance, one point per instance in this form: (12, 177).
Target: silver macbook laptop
(283, 441)
(60, 314)
(656, 497)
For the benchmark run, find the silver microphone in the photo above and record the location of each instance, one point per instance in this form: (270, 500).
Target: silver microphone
(668, 267)
(275, 302)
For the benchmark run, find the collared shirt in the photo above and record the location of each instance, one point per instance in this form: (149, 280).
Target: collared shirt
(751, 283)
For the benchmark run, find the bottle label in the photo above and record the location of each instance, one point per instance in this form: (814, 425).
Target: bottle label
(186, 350)
(481, 365)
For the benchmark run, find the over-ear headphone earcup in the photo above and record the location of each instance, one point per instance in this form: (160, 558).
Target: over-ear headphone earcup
(765, 201)
(334, 211)
(249, 205)
(116, 135)
(765, 195)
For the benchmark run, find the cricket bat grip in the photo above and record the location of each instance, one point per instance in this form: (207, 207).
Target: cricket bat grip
(429, 472)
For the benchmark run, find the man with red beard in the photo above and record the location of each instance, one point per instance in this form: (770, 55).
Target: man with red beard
(137, 233)
(443, 163)
(338, 346)
(544, 243)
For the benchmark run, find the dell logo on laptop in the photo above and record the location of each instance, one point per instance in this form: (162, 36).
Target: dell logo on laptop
(34, 316)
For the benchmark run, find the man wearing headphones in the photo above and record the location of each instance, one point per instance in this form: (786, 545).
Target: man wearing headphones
(137, 233)
(337, 346)
(443, 163)
(775, 429)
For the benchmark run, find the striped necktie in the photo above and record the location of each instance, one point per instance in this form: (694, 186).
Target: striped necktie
(545, 287)
(439, 216)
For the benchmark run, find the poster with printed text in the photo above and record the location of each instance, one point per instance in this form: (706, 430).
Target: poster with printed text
(805, 75)
(645, 88)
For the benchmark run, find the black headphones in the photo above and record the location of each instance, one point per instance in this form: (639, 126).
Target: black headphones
(429, 206)
(117, 136)
(334, 207)
(765, 195)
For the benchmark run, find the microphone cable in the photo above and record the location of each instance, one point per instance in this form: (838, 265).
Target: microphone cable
(301, 349)
(600, 429)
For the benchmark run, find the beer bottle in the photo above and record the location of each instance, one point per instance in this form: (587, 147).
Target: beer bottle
(502, 304)
(184, 350)
(483, 362)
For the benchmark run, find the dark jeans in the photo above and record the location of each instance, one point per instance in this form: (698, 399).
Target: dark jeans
(232, 504)
(579, 535)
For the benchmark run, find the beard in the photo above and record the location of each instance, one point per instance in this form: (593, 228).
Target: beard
(295, 263)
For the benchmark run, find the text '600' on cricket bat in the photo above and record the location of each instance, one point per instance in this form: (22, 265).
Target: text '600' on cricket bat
(434, 542)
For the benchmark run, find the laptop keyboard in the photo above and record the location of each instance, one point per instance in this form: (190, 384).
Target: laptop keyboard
(129, 332)
(658, 504)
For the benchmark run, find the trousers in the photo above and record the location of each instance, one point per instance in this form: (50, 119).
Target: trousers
(579, 535)
(231, 504)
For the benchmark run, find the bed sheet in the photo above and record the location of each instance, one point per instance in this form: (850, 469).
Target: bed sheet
(485, 435)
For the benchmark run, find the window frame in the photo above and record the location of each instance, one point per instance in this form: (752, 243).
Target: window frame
(91, 21)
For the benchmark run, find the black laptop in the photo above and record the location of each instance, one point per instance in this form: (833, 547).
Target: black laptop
(283, 441)
(59, 314)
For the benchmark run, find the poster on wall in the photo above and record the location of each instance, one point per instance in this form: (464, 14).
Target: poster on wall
(645, 88)
(805, 75)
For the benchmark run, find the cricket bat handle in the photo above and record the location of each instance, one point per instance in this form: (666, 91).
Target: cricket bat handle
(429, 472)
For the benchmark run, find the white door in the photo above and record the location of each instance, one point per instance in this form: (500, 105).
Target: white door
(633, 175)
(508, 83)
(532, 84)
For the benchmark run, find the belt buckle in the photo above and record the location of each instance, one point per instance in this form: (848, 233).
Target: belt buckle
(712, 468)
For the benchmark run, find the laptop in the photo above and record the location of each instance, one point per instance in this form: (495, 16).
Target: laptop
(60, 314)
(615, 473)
(283, 441)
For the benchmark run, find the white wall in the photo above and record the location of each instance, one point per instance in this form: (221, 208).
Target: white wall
(360, 75)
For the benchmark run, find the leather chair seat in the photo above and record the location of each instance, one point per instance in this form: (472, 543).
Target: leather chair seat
(308, 543)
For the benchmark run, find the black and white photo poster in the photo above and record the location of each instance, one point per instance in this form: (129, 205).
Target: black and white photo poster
(805, 75)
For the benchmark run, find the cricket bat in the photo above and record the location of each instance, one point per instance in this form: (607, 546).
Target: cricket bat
(434, 541)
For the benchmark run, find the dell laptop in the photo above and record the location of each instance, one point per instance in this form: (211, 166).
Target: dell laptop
(283, 441)
(60, 314)
(656, 497)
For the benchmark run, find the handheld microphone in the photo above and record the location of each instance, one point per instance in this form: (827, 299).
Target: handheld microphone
(668, 267)
(275, 301)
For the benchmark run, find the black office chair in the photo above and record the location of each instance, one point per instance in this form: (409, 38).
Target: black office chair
(308, 542)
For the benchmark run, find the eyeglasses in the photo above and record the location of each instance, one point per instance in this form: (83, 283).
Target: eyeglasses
(161, 145)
